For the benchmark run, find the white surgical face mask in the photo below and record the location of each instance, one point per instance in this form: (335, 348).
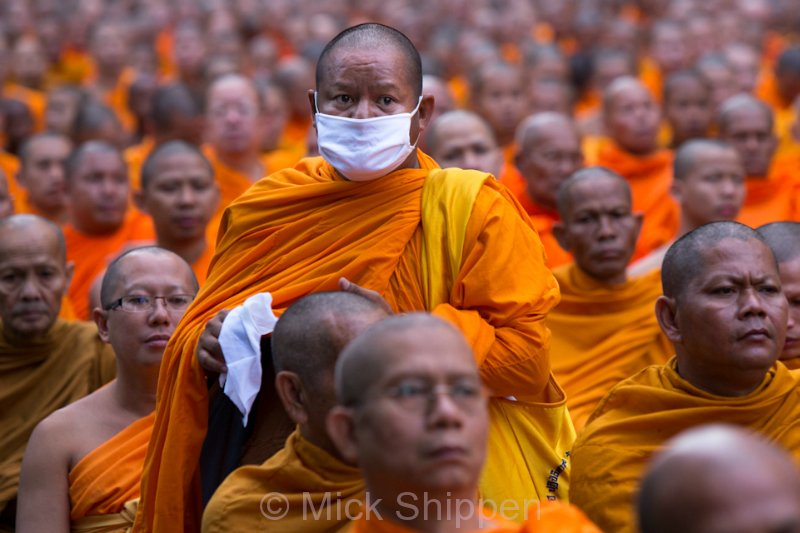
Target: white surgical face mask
(364, 149)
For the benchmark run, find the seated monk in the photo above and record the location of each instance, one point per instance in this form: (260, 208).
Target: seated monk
(744, 62)
(47, 363)
(233, 131)
(724, 311)
(83, 464)
(784, 239)
(295, 76)
(462, 139)
(179, 193)
(6, 199)
(41, 175)
(442, 95)
(718, 75)
(619, 334)
(109, 46)
(418, 432)
(631, 118)
(497, 93)
(305, 345)
(708, 184)
(62, 105)
(720, 478)
(275, 115)
(548, 152)
(418, 236)
(101, 223)
(687, 107)
(772, 188)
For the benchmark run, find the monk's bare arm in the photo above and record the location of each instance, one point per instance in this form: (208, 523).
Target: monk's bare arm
(43, 501)
(501, 296)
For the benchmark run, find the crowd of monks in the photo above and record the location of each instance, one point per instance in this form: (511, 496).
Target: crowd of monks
(400, 266)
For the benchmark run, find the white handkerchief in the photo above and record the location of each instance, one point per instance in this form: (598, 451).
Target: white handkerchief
(240, 340)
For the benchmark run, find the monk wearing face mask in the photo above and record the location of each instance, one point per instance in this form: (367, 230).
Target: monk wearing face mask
(384, 217)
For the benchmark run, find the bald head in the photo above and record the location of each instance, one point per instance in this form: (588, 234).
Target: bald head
(783, 238)
(631, 115)
(693, 152)
(540, 127)
(373, 36)
(151, 165)
(588, 175)
(175, 113)
(25, 224)
(740, 483)
(465, 140)
(234, 134)
(738, 106)
(89, 148)
(747, 123)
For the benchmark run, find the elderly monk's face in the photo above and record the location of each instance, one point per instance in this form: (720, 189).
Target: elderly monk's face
(688, 109)
(549, 161)
(43, 173)
(423, 422)
(600, 230)
(632, 119)
(790, 282)
(233, 117)
(749, 131)
(181, 197)
(98, 192)
(33, 279)
(732, 314)
(139, 336)
(502, 100)
(467, 144)
(714, 188)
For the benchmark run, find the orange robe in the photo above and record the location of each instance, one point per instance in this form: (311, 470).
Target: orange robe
(541, 217)
(774, 198)
(109, 477)
(619, 335)
(203, 263)
(309, 478)
(297, 232)
(280, 158)
(134, 158)
(635, 419)
(39, 376)
(293, 138)
(117, 98)
(36, 101)
(231, 182)
(91, 254)
(650, 179)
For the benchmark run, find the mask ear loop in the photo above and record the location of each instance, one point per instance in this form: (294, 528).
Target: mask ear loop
(415, 112)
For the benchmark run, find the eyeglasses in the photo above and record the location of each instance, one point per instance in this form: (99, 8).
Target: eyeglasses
(420, 396)
(141, 303)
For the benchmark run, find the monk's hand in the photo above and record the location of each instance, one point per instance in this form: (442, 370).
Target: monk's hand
(209, 351)
(348, 286)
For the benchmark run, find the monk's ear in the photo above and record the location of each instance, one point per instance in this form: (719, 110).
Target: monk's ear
(560, 233)
(425, 111)
(69, 270)
(290, 391)
(667, 316)
(340, 424)
(100, 318)
(638, 218)
(313, 105)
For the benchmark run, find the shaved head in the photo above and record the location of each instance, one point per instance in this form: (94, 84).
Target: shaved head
(169, 148)
(537, 127)
(618, 87)
(684, 259)
(458, 118)
(688, 154)
(75, 159)
(33, 224)
(170, 104)
(564, 198)
(739, 104)
(783, 238)
(371, 36)
(720, 478)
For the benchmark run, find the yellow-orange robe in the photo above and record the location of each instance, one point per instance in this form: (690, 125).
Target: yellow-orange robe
(117, 97)
(203, 263)
(772, 199)
(650, 179)
(231, 182)
(134, 158)
(297, 232)
(39, 376)
(641, 413)
(91, 254)
(108, 478)
(308, 477)
(618, 335)
(293, 138)
(542, 218)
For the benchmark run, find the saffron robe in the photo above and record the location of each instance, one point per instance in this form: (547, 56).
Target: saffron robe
(298, 231)
(39, 376)
(774, 198)
(108, 478)
(231, 182)
(309, 479)
(619, 335)
(634, 420)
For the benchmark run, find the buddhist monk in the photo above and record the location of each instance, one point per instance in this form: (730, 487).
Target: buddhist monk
(724, 311)
(47, 363)
(101, 224)
(275, 114)
(550, 95)
(548, 152)
(708, 184)
(719, 76)
(668, 53)
(418, 432)
(83, 464)
(188, 54)
(305, 346)
(497, 93)
(614, 313)
(687, 106)
(62, 105)
(6, 200)
(295, 75)
(747, 124)
(109, 45)
(344, 215)
(740, 483)
(180, 195)
(783, 238)
(41, 175)
(744, 63)
(95, 121)
(442, 95)
(233, 129)
(19, 124)
(465, 140)
(631, 118)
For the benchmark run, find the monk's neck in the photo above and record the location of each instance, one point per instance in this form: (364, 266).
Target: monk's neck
(248, 164)
(189, 250)
(432, 512)
(732, 383)
(135, 389)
